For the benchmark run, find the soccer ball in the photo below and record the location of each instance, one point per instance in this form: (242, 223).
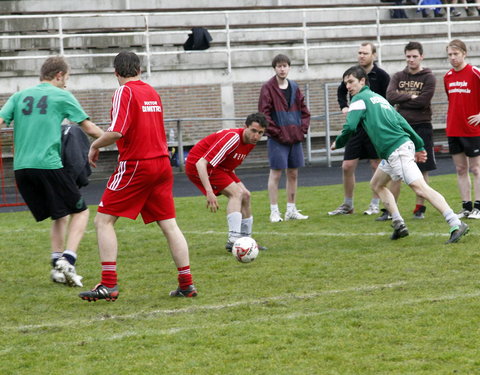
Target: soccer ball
(245, 249)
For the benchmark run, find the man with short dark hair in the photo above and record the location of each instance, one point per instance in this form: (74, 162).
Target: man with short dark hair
(283, 103)
(399, 147)
(359, 146)
(48, 190)
(411, 91)
(143, 181)
(211, 167)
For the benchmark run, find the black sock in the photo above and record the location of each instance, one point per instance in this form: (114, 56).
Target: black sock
(467, 205)
(476, 205)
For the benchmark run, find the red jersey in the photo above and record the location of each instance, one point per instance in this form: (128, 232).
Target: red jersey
(137, 114)
(463, 91)
(224, 149)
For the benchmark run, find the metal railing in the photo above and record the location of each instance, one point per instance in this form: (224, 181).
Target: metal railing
(227, 29)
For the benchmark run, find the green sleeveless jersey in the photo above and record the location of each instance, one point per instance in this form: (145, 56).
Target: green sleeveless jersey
(38, 113)
(385, 127)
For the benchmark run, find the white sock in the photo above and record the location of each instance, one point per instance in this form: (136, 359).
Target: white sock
(348, 201)
(375, 201)
(451, 218)
(247, 225)
(234, 221)
(274, 207)
(291, 207)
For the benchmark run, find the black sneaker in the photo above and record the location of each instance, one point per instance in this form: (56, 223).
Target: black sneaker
(384, 216)
(191, 291)
(100, 292)
(262, 248)
(399, 230)
(229, 246)
(457, 231)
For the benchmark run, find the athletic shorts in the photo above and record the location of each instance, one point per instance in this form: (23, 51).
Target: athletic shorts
(140, 187)
(468, 145)
(49, 193)
(401, 164)
(359, 146)
(283, 156)
(425, 131)
(219, 178)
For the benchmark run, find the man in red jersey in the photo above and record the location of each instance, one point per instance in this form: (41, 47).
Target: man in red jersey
(210, 166)
(143, 180)
(462, 85)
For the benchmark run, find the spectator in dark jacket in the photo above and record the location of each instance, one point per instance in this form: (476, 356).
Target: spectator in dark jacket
(288, 117)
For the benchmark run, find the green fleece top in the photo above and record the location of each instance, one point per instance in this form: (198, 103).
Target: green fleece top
(385, 127)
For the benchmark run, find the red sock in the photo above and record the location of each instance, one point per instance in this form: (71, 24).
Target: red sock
(184, 277)
(417, 207)
(109, 274)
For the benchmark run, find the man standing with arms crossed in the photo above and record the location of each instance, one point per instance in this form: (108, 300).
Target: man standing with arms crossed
(143, 180)
(288, 117)
(359, 145)
(411, 91)
(211, 167)
(462, 85)
(399, 147)
(48, 190)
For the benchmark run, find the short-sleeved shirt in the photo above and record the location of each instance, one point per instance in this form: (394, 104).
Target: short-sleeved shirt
(463, 91)
(38, 113)
(224, 150)
(137, 114)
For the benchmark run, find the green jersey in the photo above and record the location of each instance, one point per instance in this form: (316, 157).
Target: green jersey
(38, 113)
(385, 127)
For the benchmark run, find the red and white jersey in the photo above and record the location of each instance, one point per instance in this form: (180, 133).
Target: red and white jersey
(463, 91)
(224, 149)
(137, 114)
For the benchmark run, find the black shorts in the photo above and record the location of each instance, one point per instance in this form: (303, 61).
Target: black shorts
(425, 131)
(359, 146)
(468, 145)
(49, 193)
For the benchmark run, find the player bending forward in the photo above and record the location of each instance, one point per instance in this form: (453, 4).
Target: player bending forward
(399, 147)
(210, 166)
(143, 180)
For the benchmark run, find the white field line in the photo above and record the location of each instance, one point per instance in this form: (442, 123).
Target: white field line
(194, 309)
(293, 316)
(260, 233)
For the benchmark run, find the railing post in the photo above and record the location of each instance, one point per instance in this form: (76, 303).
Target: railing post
(60, 35)
(379, 41)
(229, 51)
(147, 46)
(181, 161)
(305, 41)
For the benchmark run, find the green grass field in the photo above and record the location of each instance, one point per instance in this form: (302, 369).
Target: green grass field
(332, 295)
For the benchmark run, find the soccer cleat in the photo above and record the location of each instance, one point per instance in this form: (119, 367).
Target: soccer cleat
(420, 213)
(100, 292)
(71, 277)
(457, 231)
(191, 291)
(295, 215)
(385, 216)
(261, 248)
(58, 276)
(229, 246)
(275, 217)
(463, 214)
(372, 210)
(343, 209)
(475, 214)
(399, 230)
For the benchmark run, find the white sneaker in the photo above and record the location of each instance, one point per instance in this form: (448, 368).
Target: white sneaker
(343, 209)
(295, 215)
(475, 214)
(275, 217)
(58, 276)
(71, 277)
(463, 214)
(372, 210)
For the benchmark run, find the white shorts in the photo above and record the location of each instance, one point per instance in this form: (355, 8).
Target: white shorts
(401, 164)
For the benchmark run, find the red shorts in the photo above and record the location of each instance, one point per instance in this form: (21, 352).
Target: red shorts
(140, 187)
(219, 178)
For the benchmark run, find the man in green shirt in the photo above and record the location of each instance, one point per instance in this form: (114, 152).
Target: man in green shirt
(48, 191)
(399, 147)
